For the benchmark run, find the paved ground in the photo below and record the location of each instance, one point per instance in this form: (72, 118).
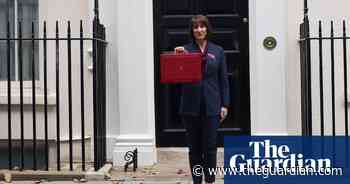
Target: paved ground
(172, 168)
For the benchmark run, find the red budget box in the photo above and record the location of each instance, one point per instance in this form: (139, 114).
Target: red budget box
(180, 68)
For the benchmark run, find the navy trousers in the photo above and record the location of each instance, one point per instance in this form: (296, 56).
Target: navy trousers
(201, 138)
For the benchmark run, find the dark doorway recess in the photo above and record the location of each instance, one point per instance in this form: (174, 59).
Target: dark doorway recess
(229, 19)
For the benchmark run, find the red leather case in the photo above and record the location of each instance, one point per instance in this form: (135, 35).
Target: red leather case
(180, 68)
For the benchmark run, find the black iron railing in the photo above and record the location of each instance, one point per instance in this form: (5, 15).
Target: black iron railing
(306, 64)
(99, 90)
(99, 78)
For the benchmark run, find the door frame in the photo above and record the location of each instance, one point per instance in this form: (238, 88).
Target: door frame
(268, 68)
(246, 81)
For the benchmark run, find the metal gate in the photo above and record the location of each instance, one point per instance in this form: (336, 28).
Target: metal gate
(321, 50)
(98, 43)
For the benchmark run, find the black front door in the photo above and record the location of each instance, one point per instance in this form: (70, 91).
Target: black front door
(229, 18)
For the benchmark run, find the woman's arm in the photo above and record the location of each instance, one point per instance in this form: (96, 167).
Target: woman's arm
(223, 81)
(224, 86)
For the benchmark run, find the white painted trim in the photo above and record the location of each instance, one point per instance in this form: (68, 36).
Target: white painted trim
(133, 119)
(134, 138)
(268, 70)
(147, 153)
(27, 99)
(110, 143)
(74, 138)
(252, 57)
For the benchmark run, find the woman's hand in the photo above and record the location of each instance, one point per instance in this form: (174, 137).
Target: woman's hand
(179, 50)
(223, 113)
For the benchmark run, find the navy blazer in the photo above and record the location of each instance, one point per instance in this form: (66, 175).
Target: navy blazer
(214, 86)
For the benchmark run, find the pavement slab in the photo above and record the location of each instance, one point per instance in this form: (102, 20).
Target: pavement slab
(172, 167)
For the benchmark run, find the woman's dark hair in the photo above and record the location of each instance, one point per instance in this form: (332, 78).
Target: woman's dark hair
(200, 19)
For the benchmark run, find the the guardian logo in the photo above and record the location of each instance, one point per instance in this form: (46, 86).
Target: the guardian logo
(265, 154)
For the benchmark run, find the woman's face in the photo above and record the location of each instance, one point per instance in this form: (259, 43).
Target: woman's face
(199, 31)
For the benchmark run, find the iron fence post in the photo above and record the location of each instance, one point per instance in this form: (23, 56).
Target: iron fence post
(306, 75)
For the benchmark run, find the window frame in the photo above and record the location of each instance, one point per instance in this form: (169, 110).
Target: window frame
(15, 83)
(15, 53)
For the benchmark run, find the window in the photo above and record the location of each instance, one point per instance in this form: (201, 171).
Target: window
(26, 12)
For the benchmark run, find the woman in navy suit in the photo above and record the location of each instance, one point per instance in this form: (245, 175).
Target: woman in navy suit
(204, 104)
